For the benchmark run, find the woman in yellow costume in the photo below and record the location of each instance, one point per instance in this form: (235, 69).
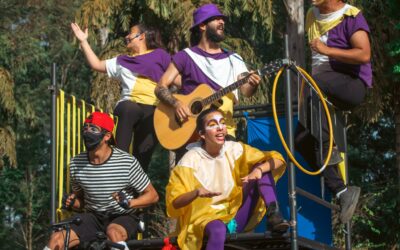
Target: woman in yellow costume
(222, 186)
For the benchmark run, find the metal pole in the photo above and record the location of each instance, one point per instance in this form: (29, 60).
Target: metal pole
(348, 224)
(53, 89)
(321, 153)
(290, 140)
(67, 236)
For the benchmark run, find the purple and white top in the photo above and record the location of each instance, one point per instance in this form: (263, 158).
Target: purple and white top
(216, 70)
(139, 74)
(339, 37)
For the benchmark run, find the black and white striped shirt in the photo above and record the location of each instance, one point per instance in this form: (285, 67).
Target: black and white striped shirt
(121, 172)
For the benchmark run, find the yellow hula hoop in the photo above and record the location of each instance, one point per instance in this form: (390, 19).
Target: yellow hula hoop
(278, 128)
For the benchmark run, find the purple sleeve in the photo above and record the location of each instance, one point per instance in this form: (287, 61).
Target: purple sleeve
(357, 23)
(179, 60)
(166, 60)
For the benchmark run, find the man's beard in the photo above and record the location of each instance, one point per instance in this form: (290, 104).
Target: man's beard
(213, 36)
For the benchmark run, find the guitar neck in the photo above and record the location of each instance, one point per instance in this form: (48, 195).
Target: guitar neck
(220, 93)
(266, 70)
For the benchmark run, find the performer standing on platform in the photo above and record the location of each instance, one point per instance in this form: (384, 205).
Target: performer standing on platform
(206, 62)
(108, 183)
(138, 72)
(338, 37)
(222, 186)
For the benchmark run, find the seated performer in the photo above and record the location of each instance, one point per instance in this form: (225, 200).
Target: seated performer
(138, 72)
(222, 186)
(338, 37)
(108, 184)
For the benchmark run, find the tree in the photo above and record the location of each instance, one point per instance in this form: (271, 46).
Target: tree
(7, 136)
(7, 100)
(33, 34)
(295, 30)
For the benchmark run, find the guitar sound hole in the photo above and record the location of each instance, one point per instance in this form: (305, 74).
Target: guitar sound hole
(196, 107)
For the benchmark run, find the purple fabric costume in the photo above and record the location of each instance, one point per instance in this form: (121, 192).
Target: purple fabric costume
(151, 65)
(192, 76)
(339, 37)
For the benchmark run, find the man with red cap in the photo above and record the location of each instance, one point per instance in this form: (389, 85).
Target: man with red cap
(206, 62)
(108, 184)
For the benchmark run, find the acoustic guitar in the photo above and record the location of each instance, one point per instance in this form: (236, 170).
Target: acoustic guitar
(172, 133)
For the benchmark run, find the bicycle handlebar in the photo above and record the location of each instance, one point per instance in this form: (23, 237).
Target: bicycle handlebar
(75, 221)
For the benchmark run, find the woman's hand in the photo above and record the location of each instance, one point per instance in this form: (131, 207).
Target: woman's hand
(187, 198)
(79, 34)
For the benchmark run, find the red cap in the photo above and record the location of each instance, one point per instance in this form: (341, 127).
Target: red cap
(102, 120)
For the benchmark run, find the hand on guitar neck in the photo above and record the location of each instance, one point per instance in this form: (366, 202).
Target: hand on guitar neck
(252, 82)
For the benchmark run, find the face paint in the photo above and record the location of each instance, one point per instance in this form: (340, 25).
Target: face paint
(216, 121)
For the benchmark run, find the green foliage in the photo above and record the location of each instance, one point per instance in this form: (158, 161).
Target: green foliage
(373, 168)
(159, 174)
(36, 33)
(7, 146)
(33, 35)
(383, 38)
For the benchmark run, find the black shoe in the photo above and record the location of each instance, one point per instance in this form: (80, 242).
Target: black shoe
(336, 158)
(348, 203)
(275, 221)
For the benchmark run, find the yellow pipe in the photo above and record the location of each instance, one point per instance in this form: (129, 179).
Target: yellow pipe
(68, 146)
(73, 126)
(61, 144)
(83, 117)
(79, 125)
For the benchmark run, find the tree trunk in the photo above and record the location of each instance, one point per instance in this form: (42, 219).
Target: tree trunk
(28, 227)
(295, 30)
(30, 214)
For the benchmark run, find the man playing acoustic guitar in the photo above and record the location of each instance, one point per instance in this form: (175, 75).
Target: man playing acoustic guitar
(206, 62)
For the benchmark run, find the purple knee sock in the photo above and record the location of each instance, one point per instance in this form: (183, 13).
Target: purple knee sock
(266, 187)
(216, 232)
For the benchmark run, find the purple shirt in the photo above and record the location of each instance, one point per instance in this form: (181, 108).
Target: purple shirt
(192, 75)
(339, 37)
(151, 65)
